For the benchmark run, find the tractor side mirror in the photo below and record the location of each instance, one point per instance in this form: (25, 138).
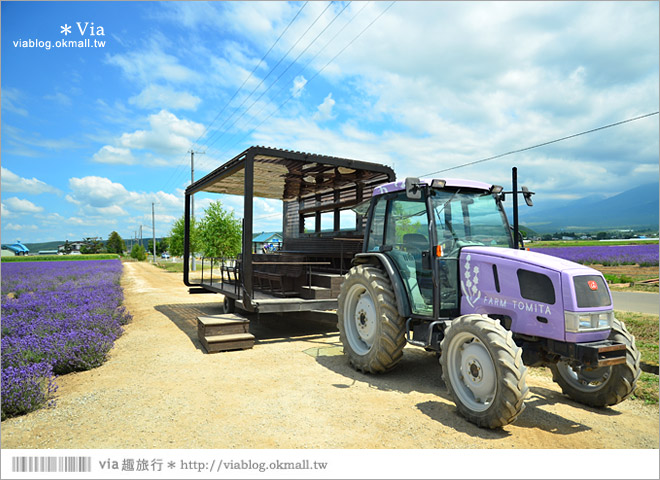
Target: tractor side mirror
(413, 190)
(527, 195)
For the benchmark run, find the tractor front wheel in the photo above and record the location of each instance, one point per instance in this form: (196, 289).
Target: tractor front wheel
(604, 386)
(370, 327)
(483, 370)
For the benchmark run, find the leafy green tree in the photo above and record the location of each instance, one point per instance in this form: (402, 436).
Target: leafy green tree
(138, 252)
(177, 237)
(115, 244)
(220, 232)
(92, 245)
(161, 246)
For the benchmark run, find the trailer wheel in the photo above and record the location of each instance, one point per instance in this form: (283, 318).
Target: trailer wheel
(483, 369)
(370, 327)
(228, 305)
(604, 386)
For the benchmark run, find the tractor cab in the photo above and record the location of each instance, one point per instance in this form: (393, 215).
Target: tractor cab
(422, 226)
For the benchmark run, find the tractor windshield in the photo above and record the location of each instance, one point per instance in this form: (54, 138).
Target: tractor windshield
(469, 218)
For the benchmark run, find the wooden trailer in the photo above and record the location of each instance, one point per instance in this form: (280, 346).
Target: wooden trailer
(318, 196)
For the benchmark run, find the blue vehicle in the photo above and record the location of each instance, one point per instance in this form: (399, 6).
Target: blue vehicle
(18, 248)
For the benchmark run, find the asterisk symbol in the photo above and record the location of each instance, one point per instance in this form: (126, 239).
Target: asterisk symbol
(66, 29)
(171, 465)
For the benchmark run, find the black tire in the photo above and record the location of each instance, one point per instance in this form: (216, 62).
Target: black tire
(605, 386)
(370, 327)
(483, 370)
(228, 305)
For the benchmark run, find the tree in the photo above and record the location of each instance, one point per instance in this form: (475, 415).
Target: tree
(138, 252)
(177, 237)
(220, 232)
(92, 245)
(161, 246)
(115, 244)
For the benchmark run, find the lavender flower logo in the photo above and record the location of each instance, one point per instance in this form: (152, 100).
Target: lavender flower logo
(470, 282)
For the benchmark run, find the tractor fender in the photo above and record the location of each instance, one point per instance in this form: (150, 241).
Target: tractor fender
(383, 261)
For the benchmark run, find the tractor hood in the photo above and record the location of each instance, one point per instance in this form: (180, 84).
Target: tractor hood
(534, 289)
(531, 258)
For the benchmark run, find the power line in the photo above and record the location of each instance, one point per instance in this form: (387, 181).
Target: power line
(175, 173)
(252, 72)
(283, 72)
(317, 73)
(311, 59)
(208, 141)
(542, 144)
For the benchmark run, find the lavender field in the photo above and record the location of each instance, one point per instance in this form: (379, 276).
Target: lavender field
(57, 317)
(643, 255)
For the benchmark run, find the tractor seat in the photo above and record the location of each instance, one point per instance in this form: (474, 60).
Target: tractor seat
(416, 240)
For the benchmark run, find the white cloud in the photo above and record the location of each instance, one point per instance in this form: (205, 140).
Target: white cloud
(168, 135)
(152, 64)
(12, 101)
(158, 96)
(324, 111)
(114, 155)
(298, 85)
(101, 197)
(5, 211)
(96, 192)
(60, 98)
(20, 205)
(20, 228)
(13, 183)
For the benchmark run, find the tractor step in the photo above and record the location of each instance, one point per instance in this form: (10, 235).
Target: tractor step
(219, 333)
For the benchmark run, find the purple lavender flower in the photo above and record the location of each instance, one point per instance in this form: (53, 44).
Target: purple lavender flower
(644, 255)
(59, 316)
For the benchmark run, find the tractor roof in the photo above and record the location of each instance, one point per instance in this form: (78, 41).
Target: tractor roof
(449, 183)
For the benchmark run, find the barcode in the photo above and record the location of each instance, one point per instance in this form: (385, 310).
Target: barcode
(51, 464)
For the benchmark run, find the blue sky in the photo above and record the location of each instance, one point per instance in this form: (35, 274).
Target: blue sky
(91, 137)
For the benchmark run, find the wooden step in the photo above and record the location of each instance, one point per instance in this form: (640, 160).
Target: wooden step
(223, 343)
(315, 292)
(328, 280)
(226, 324)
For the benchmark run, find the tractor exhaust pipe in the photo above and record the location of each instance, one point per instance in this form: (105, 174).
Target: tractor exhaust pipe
(516, 233)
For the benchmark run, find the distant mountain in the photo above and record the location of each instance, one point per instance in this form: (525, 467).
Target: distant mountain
(634, 208)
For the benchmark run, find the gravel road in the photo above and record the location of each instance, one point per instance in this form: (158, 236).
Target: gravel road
(293, 390)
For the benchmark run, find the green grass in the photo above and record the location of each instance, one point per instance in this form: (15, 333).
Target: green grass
(61, 258)
(645, 328)
(174, 267)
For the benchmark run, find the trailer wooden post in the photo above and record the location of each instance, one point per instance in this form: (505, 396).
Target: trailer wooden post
(248, 203)
(186, 240)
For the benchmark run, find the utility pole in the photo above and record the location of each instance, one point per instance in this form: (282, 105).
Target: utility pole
(153, 228)
(192, 197)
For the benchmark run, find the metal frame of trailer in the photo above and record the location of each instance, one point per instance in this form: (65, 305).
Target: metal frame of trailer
(315, 189)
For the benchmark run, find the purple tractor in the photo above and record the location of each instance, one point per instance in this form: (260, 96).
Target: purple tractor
(442, 270)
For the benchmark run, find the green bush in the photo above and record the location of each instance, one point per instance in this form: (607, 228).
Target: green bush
(138, 252)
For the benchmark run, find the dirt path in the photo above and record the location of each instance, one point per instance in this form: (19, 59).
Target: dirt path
(294, 390)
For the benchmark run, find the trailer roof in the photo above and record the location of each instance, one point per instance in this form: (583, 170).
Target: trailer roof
(288, 175)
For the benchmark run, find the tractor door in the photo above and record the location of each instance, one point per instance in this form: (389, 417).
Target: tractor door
(407, 232)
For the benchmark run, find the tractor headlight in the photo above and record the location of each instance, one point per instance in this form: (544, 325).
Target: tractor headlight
(588, 322)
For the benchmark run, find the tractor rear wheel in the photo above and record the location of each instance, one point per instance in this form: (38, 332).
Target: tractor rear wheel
(604, 386)
(370, 327)
(483, 370)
